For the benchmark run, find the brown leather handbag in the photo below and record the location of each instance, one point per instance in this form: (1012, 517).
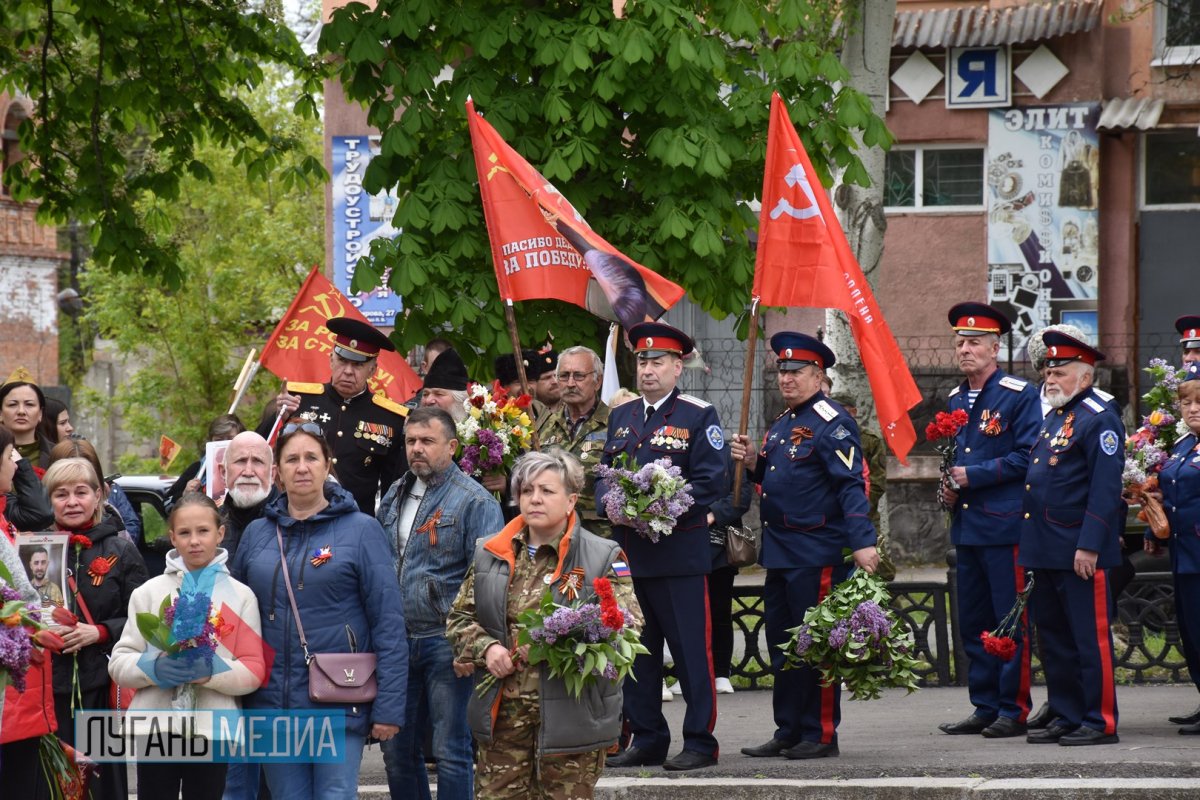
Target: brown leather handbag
(332, 677)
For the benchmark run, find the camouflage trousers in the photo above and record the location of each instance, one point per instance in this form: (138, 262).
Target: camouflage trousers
(509, 767)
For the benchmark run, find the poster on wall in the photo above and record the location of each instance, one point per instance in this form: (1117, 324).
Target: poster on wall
(359, 219)
(1043, 187)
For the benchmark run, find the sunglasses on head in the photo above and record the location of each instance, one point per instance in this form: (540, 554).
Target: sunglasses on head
(307, 427)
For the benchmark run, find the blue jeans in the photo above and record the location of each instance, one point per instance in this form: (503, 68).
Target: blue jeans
(319, 781)
(241, 781)
(432, 685)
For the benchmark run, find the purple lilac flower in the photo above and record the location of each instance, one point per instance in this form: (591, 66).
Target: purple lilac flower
(491, 453)
(870, 618)
(191, 615)
(839, 634)
(8, 593)
(610, 671)
(803, 640)
(15, 650)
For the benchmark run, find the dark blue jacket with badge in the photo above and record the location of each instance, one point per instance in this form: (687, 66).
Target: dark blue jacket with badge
(1073, 486)
(814, 497)
(1180, 484)
(686, 430)
(994, 447)
(354, 591)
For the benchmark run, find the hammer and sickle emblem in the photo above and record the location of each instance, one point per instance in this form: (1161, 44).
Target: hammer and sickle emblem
(493, 158)
(797, 176)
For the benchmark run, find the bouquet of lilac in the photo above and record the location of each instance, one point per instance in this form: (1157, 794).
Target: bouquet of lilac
(852, 637)
(580, 643)
(650, 499)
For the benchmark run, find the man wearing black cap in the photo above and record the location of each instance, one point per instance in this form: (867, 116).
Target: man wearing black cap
(984, 488)
(365, 430)
(814, 506)
(1070, 538)
(446, 384)
(1189, 337)
(546, 389)
(670, 575)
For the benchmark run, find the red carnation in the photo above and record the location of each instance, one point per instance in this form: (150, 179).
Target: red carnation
(603, 587)
(1002, 647)
(81, 541)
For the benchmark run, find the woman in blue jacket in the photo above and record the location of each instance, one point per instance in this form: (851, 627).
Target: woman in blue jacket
(348, 599)
(1180, 485)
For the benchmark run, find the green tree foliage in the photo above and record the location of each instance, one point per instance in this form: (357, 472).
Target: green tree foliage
(127, 95)
(654, 126)
(245, 246)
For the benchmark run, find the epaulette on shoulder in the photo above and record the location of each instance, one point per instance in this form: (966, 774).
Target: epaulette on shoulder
(298, 387)
(383, 401)
(696, 401)
(1103, 395)
(827, 412)
(954, 391)
(1094, 404)
(1014, 383)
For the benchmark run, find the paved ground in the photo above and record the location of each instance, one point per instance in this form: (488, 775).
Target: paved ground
(897, 737)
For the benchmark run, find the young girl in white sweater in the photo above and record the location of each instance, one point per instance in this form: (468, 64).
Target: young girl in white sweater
(197, 567)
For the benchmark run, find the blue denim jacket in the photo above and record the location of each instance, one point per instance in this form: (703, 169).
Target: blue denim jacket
(453, 514)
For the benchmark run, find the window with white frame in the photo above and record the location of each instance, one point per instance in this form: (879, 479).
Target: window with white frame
(1171, 168)
(934, 177)
(1177, 32)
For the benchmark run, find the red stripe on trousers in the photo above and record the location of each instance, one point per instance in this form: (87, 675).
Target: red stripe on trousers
(827, 692)
(1108, 699)
(712, 721)
(1026, 644)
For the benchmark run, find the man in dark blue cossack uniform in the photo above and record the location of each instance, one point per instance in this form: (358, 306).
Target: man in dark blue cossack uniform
(985, 489)
(814, 504)
(670, 576)
(1070, 537)
(1189, 340)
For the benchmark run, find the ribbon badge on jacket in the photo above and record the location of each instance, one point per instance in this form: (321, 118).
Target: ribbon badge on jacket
(989, 423)
(100, 566)
(430, 527)
(571, 583)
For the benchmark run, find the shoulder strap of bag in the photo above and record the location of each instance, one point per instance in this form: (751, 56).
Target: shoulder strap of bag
(87, 614)
(287, 581)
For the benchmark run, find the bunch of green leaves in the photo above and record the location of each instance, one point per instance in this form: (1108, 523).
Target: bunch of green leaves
(571, 658)
(154, 628)
(652, 123)
(1163, 399)
(126, 96)
(836, 642)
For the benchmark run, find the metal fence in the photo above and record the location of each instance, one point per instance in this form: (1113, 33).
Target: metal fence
(1146, 636)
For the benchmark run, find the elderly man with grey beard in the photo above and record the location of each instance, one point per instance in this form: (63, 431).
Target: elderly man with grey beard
(433, 516)
(249, 474)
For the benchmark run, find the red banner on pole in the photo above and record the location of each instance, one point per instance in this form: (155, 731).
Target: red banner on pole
(542, 248)
(804, 260)
(299, 347)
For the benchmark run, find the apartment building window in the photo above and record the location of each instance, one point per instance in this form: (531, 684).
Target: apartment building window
(1177, 32)
(934, 177)
(1171, 168)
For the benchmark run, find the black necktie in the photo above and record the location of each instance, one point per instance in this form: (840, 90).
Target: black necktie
(649, 412)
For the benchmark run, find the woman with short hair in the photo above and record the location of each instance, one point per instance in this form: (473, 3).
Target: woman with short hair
(527, 716)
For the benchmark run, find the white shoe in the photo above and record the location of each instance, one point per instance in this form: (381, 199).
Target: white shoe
(677, 688)
(724, 686)
(666, 693)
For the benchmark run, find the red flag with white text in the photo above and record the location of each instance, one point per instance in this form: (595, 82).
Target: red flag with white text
(542, 248)
(299, 347)
(804, 259)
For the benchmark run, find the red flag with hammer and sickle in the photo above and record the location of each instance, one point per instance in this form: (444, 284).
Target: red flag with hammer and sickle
(804, 260)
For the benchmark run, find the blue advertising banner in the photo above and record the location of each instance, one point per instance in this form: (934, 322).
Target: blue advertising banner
(1043, 180)
(359, 219)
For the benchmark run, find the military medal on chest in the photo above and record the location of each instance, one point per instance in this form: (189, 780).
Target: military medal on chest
(989, 423)
(671, 437)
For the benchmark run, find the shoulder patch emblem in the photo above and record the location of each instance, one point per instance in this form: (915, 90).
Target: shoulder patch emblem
(840, 433)
(1109, 441)
(1091, 403)
(1103, 395)
(716, 437)
(827, 412)
(954, 391)
(383, 401)
(696, 401)
(1013, 382)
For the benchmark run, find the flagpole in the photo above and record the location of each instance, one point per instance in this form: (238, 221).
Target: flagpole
(510, 319)
(249, 370)
(747, 382)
